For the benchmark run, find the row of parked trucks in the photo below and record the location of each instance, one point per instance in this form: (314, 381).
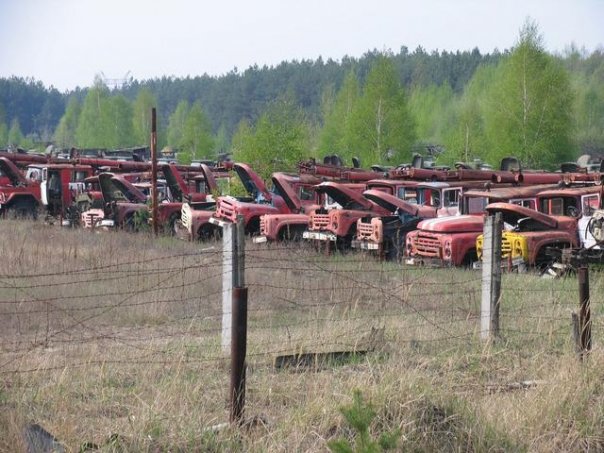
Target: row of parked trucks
(422, 215)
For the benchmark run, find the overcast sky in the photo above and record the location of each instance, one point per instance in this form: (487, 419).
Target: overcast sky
(66, 42)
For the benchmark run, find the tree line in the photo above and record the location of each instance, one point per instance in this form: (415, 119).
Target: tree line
(526, 102)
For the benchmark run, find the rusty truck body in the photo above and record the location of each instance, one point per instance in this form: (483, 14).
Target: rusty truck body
(527, 234)
(451, 241)
(337, 227)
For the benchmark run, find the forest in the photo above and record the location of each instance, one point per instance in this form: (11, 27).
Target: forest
(381, 107)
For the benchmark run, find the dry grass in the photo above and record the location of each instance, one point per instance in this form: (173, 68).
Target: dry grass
(115, 339)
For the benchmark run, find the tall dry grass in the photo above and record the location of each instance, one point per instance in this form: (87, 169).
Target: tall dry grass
(115, 339)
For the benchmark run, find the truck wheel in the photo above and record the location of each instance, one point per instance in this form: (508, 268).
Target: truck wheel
(23, 209)
(129, 224)
(170, 227)
(290, 234)
(209, 233)
(469, 259)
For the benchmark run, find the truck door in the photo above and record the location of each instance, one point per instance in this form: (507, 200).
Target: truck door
(450, 202)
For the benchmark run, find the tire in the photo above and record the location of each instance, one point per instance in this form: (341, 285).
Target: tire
(209, 233)
(129, 224)
(170, 227)
(291, 233)
(469, 259)
(23, 209)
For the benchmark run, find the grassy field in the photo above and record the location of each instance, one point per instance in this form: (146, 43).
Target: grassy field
(114, 339)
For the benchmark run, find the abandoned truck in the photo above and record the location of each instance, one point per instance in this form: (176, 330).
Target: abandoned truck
(577, 202)
(21, 197)
(51, 187)
(451, 241)
(304, 199)
(126, 203)
(264, 202)
(202, 221)
(386, 234)
(337, 227)
(528, 234)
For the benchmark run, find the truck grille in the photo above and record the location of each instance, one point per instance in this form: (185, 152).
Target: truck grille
(506, 247)
(427, 245)
(367, 230)
(318, 221)
(226, 210)
(262, 226)
(91, 217)
(185, 216)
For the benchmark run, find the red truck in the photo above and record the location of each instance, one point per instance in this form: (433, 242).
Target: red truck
(21, 197)
(196, 218)
(452, 240)
(51, 187)
(528, 234)
(263, 201)
(386, 235)
(338, 226)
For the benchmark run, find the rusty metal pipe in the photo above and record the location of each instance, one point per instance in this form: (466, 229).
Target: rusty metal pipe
(154, 210)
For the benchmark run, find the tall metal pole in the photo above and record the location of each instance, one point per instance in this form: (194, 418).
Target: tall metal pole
(154, 210)
(238, 326)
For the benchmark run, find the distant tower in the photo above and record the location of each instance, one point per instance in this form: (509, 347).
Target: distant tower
(116, 84)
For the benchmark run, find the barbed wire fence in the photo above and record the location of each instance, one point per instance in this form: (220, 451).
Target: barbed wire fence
(166, 313)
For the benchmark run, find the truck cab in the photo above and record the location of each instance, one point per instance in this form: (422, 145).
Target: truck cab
(578, 203)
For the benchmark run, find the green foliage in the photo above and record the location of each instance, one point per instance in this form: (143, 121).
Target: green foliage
(359, 416)
(141, 118)
(382, 128)
(90, 132)
(15, 137)
(3, 134)
(277, 141)
(429, 106)
(117, 123)
(65, 134)
(197, 140)
(464, 134)
(336, 132)
(589, 105)
(529, 110)
(176, 125)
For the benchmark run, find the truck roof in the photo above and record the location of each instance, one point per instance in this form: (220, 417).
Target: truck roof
(570, 191)
(507, 193)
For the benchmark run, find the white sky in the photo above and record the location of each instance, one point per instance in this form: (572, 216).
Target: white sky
(66, 42)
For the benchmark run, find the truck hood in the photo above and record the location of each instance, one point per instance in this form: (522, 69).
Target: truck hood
(280, 181)
(11, 171)
(251, 181)
(211, 184)
(177, 185)
(454, 224)
(512, 213)
(344, 196)
(392, 203)
(116, 188)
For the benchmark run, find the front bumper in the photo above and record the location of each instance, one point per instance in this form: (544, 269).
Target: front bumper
(319, 236)
(365, 245)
